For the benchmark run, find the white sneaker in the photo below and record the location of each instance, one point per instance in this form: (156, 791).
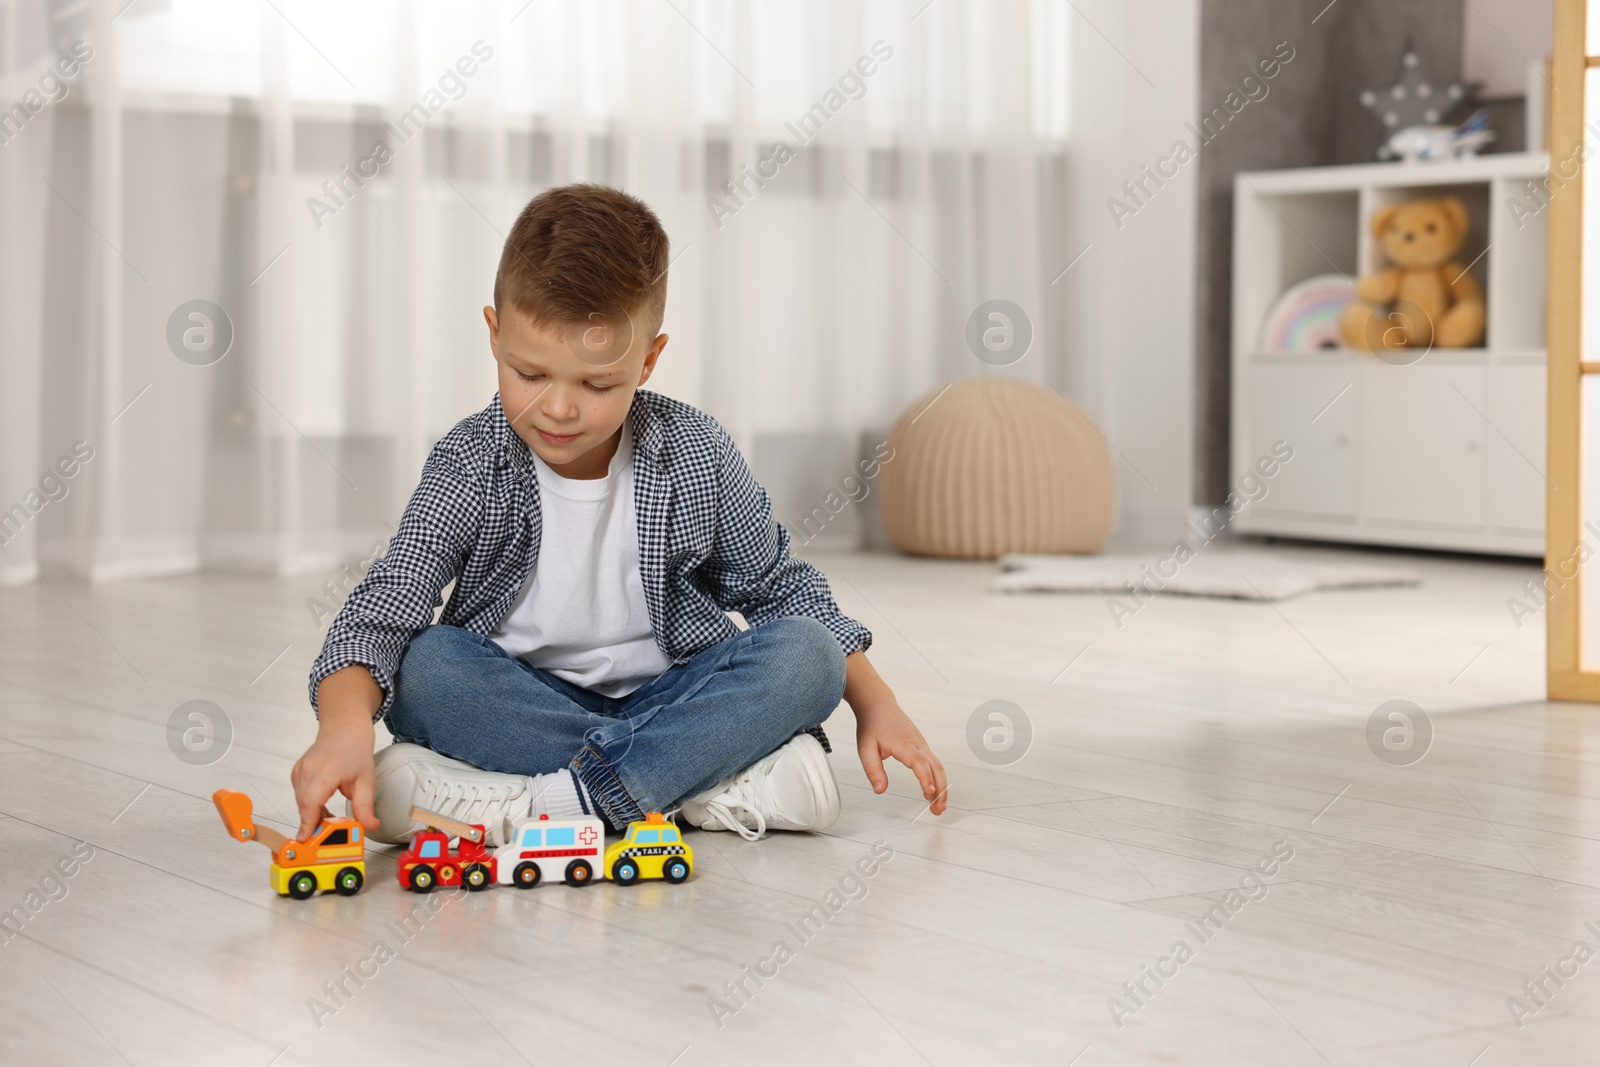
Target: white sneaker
(410, 774)
(792, 789)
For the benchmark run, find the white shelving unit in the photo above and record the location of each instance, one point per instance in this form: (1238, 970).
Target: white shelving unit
(1447, 452)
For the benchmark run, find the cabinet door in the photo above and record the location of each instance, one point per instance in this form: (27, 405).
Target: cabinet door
(1311, 406)
(1422, 443)
(1516, 447)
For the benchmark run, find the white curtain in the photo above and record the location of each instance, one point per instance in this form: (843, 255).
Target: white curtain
(222, 151)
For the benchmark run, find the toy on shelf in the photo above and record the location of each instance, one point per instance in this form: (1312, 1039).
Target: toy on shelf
(540, 848)
(1429, 144)
(652, 848)
(1427, 298)
(428, 861)
(1305, 318)
(1413, 111)
(334, 858)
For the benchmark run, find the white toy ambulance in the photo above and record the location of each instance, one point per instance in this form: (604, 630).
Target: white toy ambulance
(545, 848)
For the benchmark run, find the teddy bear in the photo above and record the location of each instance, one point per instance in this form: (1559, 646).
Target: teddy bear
(1426, 299)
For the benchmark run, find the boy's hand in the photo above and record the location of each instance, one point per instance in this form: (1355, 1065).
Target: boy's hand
(338, 759)
(888, 731)
(884, 730)
(341, 756)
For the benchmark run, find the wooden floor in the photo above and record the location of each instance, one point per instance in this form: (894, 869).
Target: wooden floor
(1170, 758)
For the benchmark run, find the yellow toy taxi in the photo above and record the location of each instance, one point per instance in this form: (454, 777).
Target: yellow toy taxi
(650, 849)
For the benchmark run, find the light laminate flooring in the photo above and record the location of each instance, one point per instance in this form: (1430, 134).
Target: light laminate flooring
(1168, 758)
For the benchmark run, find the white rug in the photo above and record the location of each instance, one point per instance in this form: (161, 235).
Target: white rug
(1238, 575)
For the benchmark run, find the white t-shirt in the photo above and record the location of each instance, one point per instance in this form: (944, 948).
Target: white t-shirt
(581, 613)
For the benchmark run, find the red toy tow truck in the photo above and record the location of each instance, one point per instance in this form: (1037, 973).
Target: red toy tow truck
(428, 862)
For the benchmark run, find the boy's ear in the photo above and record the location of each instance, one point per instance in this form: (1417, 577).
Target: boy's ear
(493, 320)
(651, 355)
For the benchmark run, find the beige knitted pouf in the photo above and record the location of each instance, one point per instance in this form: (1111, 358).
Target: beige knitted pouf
(995, 466)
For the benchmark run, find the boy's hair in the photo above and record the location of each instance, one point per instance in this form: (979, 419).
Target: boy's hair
(582, 250)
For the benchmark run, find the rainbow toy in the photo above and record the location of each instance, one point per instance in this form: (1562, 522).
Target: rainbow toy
(1306, 317)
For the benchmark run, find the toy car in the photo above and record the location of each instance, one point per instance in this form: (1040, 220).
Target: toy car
(540, 848)
(334, 858)
(429, 862)
(650, 849)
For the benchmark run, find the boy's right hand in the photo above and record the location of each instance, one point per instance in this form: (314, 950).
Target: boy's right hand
(341, 756)
(338, 759)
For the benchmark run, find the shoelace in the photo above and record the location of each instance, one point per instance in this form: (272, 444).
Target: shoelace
(745, 793)
(469, 802)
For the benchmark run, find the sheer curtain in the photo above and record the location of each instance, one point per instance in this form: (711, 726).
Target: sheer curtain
(231, 324)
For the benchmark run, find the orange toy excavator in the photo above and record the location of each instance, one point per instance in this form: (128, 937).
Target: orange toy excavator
(334, 858)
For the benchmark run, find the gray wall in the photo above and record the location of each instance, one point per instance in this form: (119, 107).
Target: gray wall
(1310, 117)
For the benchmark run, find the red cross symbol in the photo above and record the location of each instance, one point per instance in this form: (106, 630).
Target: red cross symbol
(587, 835)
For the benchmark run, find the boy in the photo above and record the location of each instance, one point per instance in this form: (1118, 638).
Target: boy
(596, 533)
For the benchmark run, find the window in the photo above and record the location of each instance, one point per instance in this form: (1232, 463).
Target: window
(531, 836)
(647, 837)
(560, 835)
(355, 836)
(430, 850)
(337, 837)
(350, 53)
(670, 834)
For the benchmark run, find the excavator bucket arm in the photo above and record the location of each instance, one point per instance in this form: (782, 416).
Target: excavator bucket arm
(237, 817)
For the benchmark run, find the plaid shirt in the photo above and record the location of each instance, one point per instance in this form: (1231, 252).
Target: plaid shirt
(707, 544)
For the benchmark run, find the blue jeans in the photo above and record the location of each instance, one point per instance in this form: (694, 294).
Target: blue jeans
(461, 695)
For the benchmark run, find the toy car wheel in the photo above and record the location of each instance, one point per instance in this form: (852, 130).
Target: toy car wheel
(675, 870)
(302, 885)
(348, 882)
(579, 872)
(422, 878)
(625, 871)
(475, 876)
(526, 876)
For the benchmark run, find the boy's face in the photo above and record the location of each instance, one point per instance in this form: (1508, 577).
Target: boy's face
(567, 389)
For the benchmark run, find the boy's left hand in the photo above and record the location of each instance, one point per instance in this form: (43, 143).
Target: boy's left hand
(883, 730)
